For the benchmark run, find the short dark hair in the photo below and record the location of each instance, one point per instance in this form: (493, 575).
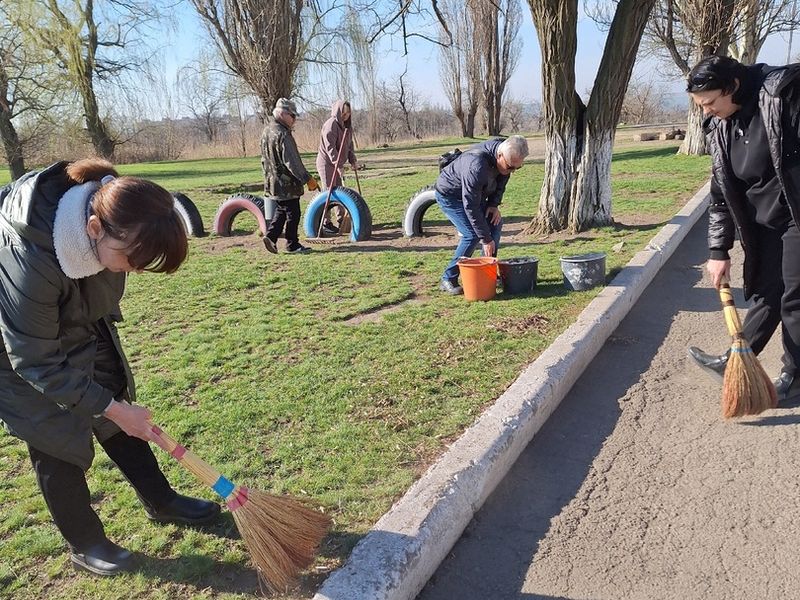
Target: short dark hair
(137, 210)
(716, 73)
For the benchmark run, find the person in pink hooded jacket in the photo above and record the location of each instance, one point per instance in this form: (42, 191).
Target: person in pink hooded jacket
(330, 140)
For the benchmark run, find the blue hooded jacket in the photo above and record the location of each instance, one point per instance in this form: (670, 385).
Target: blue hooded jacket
(474, 178)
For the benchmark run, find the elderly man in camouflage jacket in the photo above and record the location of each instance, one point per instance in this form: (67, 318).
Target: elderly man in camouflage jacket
(284, 177)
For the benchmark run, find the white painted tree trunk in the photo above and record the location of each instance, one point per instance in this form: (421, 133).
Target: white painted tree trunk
(694, 144)
(559, 178)
(591, 198)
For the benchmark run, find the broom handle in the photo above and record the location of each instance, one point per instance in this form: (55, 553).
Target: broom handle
(729, 310)
(234, 495)
(358, 183)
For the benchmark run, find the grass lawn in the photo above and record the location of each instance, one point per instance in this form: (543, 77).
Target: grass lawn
(267, 367)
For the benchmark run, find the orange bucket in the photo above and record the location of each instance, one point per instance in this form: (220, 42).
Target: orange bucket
(478, 277)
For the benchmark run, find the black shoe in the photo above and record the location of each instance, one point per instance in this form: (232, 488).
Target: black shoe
(451, 287)
(787, 387)
(183, 509)
(713, 364)
(104, 558)
(270, 245)
(298, 249)
(330, 229)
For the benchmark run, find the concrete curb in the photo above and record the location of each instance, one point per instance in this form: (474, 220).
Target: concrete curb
(404, 548)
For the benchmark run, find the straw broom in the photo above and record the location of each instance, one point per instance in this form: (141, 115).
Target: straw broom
(746, 388)
(281, 533)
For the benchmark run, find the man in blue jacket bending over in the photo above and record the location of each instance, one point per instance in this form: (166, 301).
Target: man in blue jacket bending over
(469, 191)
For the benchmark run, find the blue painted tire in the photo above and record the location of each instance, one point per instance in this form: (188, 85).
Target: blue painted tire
(351, 201)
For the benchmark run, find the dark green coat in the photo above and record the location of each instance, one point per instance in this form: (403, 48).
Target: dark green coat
(49, 393)
(284, 173)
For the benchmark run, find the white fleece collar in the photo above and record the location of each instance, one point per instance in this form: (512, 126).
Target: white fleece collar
(73, 246)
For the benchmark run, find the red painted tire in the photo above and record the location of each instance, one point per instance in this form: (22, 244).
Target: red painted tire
(234, 205)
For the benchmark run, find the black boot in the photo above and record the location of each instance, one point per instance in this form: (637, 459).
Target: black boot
(787, 386)
(713, 364)
(183, 509)
(103, 558)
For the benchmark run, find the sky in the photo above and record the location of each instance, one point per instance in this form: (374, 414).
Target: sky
(525, 84)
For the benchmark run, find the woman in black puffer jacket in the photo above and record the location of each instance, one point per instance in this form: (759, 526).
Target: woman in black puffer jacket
(69, 234)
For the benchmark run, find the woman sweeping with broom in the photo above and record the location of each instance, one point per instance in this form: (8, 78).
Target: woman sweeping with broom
(752, 132)
(69, 234)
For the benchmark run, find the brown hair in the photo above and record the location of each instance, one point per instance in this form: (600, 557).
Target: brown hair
(138, 210)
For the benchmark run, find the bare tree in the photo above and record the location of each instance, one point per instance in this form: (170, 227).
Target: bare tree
(690, 30)
(754, 21)
(460, 66)
(91, 41)
(408, 100)
(518, 115)
(576, 192)
(11, 71)
(642, 101)
(261, 41)
(498, 48)
(363, 57)
(29, 90)
(241, 107)
(202, 87)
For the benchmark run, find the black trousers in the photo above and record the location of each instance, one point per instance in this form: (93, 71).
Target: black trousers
(67, 496)
(286, 212)
(776, 293)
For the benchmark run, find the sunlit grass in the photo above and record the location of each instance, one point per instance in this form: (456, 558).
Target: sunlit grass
(249, 359)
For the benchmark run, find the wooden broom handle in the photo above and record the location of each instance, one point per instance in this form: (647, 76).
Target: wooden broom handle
(193, 463)
(729, 310)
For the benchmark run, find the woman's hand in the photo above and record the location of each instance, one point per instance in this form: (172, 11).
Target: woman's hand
(719, 270)
(132, 419)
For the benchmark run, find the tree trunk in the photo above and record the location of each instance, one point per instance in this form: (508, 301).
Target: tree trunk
(556, 25)
(12, 145)
(11, 142)
(591, 204)
(694, 144)
(469, 126)
(102, 142)
(492, 76)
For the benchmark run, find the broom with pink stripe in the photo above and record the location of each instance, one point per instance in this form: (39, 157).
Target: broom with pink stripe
(281, 533)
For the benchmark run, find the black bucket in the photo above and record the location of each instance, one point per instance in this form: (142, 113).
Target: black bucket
(519, 274)
(584, 271)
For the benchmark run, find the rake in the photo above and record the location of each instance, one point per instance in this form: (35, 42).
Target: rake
(319, 239)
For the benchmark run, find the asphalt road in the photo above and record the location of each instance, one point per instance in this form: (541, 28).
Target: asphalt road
(636, 488)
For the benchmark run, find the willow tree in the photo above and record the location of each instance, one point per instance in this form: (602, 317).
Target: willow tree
(30, 88)
(91, 42)
(576, 192)
(11, 70)
(261, 41)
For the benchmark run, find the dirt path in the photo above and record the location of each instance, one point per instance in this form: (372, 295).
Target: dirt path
(635, 488)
